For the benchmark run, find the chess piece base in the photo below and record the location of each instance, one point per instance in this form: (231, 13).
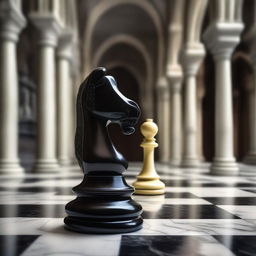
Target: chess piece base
(149, 187)
(103, 205)
(151, 192)
(99, 226)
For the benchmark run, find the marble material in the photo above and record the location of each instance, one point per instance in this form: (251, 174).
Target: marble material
(32, 210)
(171, 245)
(239, 245)
(77, 244)
(23, 226)
(208, 192)
(187, 220)
(221, 47)
(15, 245)
(42, 183)
(214, 227)
(243, 211)
(180, 195)
(175, 201)
(250, 190)
(232, 200)
(12, 22)
(188, 212)
(156, 227)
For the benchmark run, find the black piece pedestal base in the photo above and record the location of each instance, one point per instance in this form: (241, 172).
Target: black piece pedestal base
(104, 205)
(103, 227)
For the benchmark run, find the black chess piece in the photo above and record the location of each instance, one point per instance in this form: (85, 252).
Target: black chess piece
(103, 203)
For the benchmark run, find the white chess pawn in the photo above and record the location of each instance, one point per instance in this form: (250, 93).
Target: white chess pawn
(148, 182)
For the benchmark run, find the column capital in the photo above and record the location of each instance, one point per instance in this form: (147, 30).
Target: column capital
(64, 49)
(11, 21)
(174, 28)
(174, 77)
(162, 84)
(48, 26)
(191, 58)
(221, 38)
(163, 89)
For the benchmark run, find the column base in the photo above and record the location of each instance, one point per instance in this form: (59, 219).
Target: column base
(202, 159)
(71, 167)
(190, 162)
(75, 167)
(65, 162)
(224, 168)
(46, 166)
(250, 159)
(11, 168)
(175, 162)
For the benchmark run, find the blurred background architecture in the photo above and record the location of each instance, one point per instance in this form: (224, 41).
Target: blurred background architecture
(190, 64)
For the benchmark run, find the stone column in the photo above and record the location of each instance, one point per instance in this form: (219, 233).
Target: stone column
(251, 155)
(65, 100)
(164, 119)
(200, 128)
(175, 79)
(11, 23)
(221, 39)
(46, 93)
(192, 58)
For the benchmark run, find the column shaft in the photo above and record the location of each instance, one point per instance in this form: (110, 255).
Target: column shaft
(190, 154)
(46, 118)
(223, 112)
(176, 124)
(222, 47)
(224, 147)
(200, 130)
(163, 114)
(11, 23)
(8, 107)
(64, 112)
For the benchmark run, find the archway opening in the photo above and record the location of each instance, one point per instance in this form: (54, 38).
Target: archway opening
(242, 77)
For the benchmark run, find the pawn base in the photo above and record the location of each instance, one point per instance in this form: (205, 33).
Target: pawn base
(149, 187)
(149, 192)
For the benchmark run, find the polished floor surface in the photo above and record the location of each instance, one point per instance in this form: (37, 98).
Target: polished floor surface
(200, 214)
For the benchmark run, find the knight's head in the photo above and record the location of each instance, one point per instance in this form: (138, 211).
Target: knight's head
(104, 101)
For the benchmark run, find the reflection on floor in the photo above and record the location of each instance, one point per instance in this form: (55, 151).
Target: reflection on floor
(199, 215)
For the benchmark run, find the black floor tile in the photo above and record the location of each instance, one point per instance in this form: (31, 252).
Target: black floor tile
(11, 245)
(33, 211)
(232, 200)
(190, 183)
(250, 190)
(188, 212)
(165, 212)
(239, 245)
(34, 189)
(160, 245)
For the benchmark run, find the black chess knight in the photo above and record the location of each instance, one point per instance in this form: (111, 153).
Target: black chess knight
(103, 203)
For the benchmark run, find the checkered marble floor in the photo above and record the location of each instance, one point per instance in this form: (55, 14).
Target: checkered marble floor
(200, 214)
